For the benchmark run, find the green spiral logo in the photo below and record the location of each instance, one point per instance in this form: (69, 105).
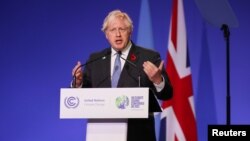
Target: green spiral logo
(122, 102)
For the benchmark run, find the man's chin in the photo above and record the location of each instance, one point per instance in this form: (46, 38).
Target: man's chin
(118, 47)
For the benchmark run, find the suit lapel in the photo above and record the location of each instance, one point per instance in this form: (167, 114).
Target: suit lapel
(104, 69)
(107, 72)
(129, 75)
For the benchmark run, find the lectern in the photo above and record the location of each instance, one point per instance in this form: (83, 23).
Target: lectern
(106, 109)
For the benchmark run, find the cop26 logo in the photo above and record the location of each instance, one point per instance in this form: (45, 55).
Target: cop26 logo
(122, 102)
(71, 102)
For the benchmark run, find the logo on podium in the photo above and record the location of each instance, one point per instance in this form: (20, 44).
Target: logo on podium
(71, 102)
(122, 102)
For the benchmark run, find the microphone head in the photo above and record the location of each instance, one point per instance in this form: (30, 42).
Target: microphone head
(106, 55)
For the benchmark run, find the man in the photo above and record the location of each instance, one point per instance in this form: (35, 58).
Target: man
(143, 69)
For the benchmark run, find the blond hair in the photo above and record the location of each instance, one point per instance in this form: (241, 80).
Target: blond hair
(117, 14)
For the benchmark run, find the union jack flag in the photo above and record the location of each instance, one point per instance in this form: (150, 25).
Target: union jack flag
(178, 122)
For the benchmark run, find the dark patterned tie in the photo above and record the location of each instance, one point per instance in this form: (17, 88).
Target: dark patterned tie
(116, 71)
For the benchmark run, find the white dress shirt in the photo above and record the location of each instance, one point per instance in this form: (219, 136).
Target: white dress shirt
(124, 54)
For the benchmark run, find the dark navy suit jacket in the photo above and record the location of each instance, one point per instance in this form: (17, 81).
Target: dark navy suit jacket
(97, 75)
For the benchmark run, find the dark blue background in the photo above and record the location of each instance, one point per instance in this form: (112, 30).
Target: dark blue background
(41, 40)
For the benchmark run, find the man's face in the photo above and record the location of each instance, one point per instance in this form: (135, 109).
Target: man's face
(118, 34)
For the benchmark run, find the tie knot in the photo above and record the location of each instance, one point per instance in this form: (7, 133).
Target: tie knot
(119, 53)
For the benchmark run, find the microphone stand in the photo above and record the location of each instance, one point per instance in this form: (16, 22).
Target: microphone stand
(89, 62)
(132, 64)
(226, 32)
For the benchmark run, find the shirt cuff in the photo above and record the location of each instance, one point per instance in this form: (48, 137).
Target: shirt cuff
(160, 86)
(71, 84)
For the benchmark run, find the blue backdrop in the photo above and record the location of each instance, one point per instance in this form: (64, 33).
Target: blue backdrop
(41, 41)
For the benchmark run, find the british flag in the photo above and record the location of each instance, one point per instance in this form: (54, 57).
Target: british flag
(178, 122)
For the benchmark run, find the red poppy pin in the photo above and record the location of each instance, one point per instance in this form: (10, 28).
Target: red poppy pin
(132, 57)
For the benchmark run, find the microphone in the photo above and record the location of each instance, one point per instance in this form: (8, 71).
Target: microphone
(89, 62)
(133, 65)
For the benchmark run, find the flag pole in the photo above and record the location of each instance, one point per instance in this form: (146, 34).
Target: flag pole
(226, 32)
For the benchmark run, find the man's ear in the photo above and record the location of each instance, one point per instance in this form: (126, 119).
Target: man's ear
(106, 36)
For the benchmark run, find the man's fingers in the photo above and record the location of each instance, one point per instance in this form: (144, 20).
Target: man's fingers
(76, 67)
(161, 65)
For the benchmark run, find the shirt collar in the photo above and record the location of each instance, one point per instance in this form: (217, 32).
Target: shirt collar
(125, 51)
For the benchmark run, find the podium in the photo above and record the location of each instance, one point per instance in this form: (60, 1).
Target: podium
(107, 109)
